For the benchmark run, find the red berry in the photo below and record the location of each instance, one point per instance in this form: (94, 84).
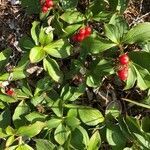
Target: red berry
(88, 31)
(10, 92)
(74, 38)
(80, 38)
(82, 31)
(49, 3)
(124, 59)
(123, 74)
(44, 9)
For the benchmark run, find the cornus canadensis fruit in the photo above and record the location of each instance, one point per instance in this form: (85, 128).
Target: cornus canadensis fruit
(124, 59)
(88, 31)
(123, 74)
(44, 9)
(10, 92)
(82, 34)
(47, 4)
(80, 38)
(82, 31)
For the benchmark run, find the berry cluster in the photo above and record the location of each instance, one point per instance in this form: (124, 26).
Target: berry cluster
(123, 71)
(46, 5)
(82, 34)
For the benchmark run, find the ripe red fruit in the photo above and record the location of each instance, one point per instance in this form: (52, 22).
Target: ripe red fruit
(49, 3)
(74, 38)
(44, 9)
(123, 74)
(88, 31)
(80, 37)
(124, 59)
(82, 31)
(10, 92)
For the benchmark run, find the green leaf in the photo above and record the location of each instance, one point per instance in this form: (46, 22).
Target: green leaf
(145, 124)
(51, 66)
(10, 141)
(43, 84)
(7, 99)
(31, 130)
(35, 116)
(113, 109)
(71, 93)
(12, 147)
(24, 147)
(10, 130)
(96, 46)
(93, 81)
(103, 67)
(139, 33)
(69, 4)
(38, 99)
(122, 5)
(69, 30)
(143, 140)
(19, 113)
(79, 138)
(4, 57)
(139, 136)
(36, 54)
(98, 71)
(56, 106)
(61, 134)
(121, 25)
(72, 17)
(112, 32)
(102, 16)
(124, 128)
(34, 32)
(146, 47)
(45, 37)
(97, 6)
(131, 77)
(53, 123)
(26, 88)
(95, 141)
(19, 74)
(143, 77)
(42, 144)
(115, 138)
(72, 122)
(2, 105)
(26, 43)
(20, 94)
(90, 116)
(133, 124)
(2, 134)
(141, 58)
(58, 49)
(5, 118)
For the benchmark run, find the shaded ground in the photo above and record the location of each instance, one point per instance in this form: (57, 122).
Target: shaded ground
(14, 23)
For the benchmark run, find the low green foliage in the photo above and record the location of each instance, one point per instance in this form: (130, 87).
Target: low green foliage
(47, 113)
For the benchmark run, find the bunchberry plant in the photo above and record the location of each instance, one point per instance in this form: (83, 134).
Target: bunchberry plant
(61, 95)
